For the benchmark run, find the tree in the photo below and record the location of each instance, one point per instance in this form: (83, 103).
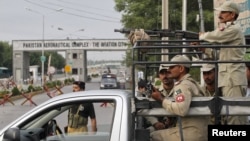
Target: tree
(6, 51)
(56, 60)
(147, 15)
(6, 55)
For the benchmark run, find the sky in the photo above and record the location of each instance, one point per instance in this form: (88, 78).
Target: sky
(73, 19)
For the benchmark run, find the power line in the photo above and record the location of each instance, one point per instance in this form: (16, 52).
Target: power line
(73, 14)
(79, 10)
(78, 4)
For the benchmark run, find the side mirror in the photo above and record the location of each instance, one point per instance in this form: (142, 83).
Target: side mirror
(12, 134)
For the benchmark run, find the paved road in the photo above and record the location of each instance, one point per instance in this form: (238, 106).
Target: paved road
(10, 112)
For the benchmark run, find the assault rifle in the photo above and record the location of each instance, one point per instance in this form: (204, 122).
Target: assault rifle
(178, 34)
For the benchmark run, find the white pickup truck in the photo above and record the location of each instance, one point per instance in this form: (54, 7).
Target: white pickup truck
(46, 121)
(115, 122)
(118, 112)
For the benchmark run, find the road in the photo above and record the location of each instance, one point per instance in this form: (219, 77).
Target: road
(10, 112)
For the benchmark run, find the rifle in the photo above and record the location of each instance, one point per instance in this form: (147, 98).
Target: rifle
(179, 34)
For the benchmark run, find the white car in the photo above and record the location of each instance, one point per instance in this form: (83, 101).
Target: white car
(47, 121)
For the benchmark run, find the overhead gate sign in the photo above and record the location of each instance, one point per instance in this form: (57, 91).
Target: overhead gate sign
(85, 44)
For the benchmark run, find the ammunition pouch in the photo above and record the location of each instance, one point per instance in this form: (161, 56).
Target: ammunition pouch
(76, 121)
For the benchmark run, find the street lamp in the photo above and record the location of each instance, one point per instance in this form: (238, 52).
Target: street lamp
(43, 58)
(70, 33)
(71, 57)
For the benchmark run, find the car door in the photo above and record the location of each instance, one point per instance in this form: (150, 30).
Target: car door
(47, 122)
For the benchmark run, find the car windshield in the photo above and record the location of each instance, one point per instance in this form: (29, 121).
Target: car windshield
(108, 80)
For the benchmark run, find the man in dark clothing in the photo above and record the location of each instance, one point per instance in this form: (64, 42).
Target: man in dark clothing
(78, 114)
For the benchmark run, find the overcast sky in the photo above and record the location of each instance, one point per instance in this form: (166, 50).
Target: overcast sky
(79, 19)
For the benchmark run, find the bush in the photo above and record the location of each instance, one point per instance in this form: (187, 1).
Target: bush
(4, 92)
(31, 88)
(58, 83)
(50, 84)
(15, 91)
(69, 81)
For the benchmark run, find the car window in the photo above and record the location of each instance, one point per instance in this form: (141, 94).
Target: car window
(53, 123)
(108, 80)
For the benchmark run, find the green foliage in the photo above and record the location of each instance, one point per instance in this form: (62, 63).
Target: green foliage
(195, 73)
(56, 60)
(15, 91)
(147, 14)
(135, 15)
(95, 75)
(247, 55)
(31, 88)
(4, 92)
(50, 84)
(69, 81)
(38, 88)
(58, 83)
(6, 55)
(6, 51)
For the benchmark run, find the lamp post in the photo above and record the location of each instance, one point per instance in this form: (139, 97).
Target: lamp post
(43, 58)
(71, 57)
(69, 62)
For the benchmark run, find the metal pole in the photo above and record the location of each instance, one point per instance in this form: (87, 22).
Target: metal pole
(184, 19)
(43, 58)
(43, 55)
(184, 15)
(202, 28)
(165, 19)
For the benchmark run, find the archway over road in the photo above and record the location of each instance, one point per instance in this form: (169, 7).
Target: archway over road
(75, 56)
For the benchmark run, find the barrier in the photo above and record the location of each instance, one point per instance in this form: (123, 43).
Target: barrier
(57, 91)
(6, 98)
(29, 98)
(7, 83)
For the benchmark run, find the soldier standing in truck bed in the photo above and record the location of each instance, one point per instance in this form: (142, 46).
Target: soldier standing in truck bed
(231, 77)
